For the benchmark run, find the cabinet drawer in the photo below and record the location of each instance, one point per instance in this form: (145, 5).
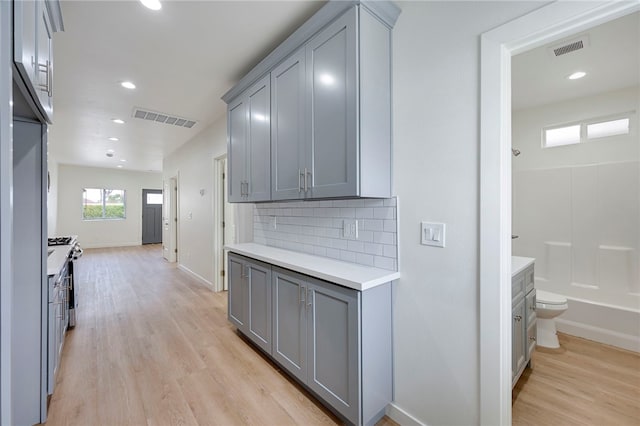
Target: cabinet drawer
(529, 279)
(517, 288)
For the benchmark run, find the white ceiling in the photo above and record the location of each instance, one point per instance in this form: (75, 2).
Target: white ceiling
(182, 58)
(611, 62)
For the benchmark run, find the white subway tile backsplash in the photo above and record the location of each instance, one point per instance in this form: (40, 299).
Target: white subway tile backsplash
(364, 259)
(383, 213)
(316, 227)
(364, 213)
(390, 251)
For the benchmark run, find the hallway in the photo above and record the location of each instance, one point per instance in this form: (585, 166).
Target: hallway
(153, 347)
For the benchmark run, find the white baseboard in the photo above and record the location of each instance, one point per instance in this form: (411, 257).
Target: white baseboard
(400, 416)
(196, 276)
(597, 334)
(109, 245)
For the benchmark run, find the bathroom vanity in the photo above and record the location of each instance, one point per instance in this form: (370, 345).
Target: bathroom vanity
(523, 325)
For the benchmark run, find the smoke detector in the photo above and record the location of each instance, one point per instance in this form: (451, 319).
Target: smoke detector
(569, 45)
(160, 117)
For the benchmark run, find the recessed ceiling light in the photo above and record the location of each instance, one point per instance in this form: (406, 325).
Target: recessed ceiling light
(119, 166)
(128, 85)
(152, 4)
(122, 160)
(110, 151)
(117, 121)
(114, 139)
(576, 75)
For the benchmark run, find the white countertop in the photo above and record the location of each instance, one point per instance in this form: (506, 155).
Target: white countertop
(57, 259)
(519, 264)
(357, 277)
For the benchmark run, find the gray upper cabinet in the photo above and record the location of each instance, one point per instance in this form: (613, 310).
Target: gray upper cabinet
(288, 150)
(24, 39)
(330, 104)
(249, 144)
(34, 25)
(331, 166)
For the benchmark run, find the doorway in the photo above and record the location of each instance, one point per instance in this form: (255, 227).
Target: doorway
(170, 220)
(151, 216)
(551, 22)
(225, 228)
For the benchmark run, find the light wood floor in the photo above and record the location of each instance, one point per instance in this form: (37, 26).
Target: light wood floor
(582, 383)
(153, 347)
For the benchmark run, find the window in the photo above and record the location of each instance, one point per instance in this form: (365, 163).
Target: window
(100, 204)
(604, 129)
(154, 198)
(562, 136)
(586, 130)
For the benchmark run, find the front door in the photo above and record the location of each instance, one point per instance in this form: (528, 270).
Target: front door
(151, 216)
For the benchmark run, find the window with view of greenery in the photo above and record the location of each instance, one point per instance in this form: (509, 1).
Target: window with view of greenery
(100, 203)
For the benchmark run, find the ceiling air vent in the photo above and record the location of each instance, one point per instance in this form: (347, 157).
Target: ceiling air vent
(160, 117)
(568, 46)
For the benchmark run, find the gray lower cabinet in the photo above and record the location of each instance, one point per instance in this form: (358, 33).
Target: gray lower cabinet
(523, 325)
(250, 299)
(334, 340)
(249, 144)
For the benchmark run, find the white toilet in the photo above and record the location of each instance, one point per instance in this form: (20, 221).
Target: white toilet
(548, 306)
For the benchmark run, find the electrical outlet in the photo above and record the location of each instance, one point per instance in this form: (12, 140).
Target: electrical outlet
(273, 222)
(432, 234)
(350, 229)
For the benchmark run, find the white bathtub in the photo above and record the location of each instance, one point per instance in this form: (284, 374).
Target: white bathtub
(612, 325)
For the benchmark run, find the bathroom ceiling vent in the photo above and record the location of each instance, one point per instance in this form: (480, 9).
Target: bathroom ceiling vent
(159, 117)
(568, 46)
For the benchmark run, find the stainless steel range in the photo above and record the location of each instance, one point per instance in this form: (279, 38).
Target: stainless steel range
(74, 254)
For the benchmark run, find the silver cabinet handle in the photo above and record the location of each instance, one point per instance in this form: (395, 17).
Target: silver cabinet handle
(301, 294)
(45, 68)
(307, 184)
(309, 298)
(305, 180)
(299, 181)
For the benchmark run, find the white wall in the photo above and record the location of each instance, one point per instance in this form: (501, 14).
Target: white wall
(436, 178)
(52, 197)
(103, 233)
(193, 163)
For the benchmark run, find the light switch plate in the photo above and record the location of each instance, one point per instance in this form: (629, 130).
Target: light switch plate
(273, 224)
(350, 229)
(432, 234)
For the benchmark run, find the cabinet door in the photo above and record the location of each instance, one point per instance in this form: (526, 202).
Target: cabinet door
(24, 39)
(289, 323)
(259, 141)
(237, 303)
(332, 348)
(259, 289)
(44, 65)
(288, 138)
(332, 109)
(518, 339)
(236, 149)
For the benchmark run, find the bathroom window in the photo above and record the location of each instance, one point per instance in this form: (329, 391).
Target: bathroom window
(587, 130)
(559, 136)
(608, 128)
